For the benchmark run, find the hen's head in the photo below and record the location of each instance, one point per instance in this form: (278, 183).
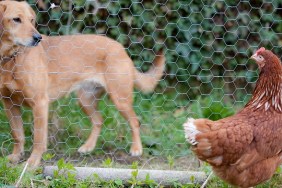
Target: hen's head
(266, 60)
(267, 94)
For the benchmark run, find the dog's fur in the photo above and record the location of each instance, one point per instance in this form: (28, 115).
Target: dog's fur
(35, 73)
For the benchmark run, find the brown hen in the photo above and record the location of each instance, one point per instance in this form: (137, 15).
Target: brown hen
(246, 148)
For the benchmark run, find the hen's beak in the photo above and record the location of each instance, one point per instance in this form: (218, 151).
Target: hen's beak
(254, 57)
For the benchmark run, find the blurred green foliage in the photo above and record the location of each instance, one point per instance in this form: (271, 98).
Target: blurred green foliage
(207, 43)
(210, 108)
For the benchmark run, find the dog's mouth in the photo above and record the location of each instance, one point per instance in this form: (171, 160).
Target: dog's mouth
(34, 41)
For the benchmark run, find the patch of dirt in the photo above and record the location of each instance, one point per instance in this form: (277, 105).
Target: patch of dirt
(123, 160)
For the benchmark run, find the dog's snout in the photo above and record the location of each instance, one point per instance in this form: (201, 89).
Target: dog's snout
(37, 37)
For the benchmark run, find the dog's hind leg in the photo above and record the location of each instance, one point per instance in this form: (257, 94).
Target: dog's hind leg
(121, 94)
(14, 115)
(89, 101)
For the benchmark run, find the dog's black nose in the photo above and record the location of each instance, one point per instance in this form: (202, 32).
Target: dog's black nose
(37, 37)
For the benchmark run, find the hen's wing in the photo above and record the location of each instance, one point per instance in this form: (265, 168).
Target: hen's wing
(267, 141)
(268, 137)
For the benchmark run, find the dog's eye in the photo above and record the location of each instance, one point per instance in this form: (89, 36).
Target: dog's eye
(17, 20)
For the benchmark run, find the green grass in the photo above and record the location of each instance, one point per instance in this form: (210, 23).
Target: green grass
(64, 177)
(161, 117)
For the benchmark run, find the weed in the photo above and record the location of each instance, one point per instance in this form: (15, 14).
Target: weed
(108, 163)
(64, 177)
(48, 156)
(134, 165)
(149, 182)
(170, 160)
(98, 182)
(8, 173)
(133, 181)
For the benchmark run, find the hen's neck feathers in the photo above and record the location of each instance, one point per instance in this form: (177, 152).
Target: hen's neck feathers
(268, 91)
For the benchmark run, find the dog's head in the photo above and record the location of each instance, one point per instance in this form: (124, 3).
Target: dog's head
(17, 24)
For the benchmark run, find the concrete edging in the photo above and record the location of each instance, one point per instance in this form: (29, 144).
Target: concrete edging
(164, 177)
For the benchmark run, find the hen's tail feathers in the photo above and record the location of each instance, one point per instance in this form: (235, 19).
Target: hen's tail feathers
(146, 82)
(191, 131)
(202, 144)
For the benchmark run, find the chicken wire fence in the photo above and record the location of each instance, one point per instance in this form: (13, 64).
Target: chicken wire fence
(206, 44)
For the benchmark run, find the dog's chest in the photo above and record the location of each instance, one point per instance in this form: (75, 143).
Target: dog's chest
(16, 96)
(8, 81)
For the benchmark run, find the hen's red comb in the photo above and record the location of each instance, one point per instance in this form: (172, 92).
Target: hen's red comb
(260, 50)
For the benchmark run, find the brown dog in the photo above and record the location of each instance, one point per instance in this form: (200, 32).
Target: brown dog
(35, 73)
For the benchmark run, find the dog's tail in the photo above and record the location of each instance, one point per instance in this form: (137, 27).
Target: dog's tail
(146, 82)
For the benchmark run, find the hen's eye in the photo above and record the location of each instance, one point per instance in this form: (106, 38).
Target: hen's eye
(17, 20)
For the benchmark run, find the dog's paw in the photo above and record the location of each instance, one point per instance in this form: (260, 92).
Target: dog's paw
(84, 149)
(136, 151)
(33, 161)
(15, 158)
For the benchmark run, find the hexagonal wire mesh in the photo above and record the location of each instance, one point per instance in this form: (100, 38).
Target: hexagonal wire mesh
(206, 44)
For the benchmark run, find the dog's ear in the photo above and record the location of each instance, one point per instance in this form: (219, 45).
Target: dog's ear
(30, 10)
(33, 14)
(2, 11)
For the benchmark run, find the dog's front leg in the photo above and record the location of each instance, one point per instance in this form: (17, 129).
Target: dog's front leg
(14, 115)
(40, 115)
